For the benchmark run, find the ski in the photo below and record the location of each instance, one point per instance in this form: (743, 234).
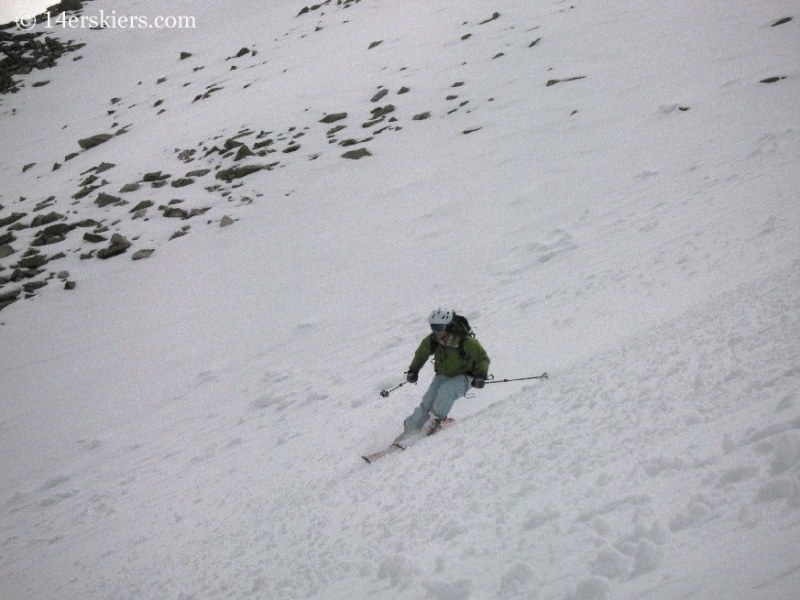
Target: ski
(403, 443)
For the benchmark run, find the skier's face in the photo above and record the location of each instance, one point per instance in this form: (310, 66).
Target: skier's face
(439, 331)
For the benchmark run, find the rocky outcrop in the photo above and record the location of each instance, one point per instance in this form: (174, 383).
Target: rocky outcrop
(26, 53)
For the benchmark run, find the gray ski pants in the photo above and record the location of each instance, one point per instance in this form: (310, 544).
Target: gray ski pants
(438, 400)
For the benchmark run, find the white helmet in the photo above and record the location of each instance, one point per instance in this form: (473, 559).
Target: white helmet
(441, 316)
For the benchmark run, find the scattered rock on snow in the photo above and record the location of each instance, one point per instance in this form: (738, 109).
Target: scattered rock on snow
(119, 245)
(239, 172)
(357, 154)
(7, 298)
(95, 140)
(551, 82)
(140, 254)
(332, 118)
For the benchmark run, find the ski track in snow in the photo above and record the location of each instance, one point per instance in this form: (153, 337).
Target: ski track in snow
(634, 249)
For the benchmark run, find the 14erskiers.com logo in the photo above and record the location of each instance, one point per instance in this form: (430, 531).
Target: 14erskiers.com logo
(105, 20)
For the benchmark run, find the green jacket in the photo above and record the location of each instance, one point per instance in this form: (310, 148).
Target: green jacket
(467, 357)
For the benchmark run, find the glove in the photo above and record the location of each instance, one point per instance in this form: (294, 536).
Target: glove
(478, 382)
(412, 376)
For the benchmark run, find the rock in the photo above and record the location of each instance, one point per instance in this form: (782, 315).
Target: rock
(421, 116)
(129, 187)
(32, 286)
(555, 81)
(333, 118)
(174, 213)
(143, 205)
(85, 192)
(32, 262)
(67, 5)
(87, 223)
(196, 212)
(140, 254)
(104, 199)
(93, 238)
(23, 53)
(119, 245)
(230, 144)
(357, 154)
(185, 55)
(95, 140)
(6, 250)
(52, 234)
(69, 285)
(226, 221)
(198, 173)
(243, 153)
(243, 171)
(51, 217)
(382, 111)
(156, 176)
(9, 298)
(182, 182)
(12, 218)
(377, 97)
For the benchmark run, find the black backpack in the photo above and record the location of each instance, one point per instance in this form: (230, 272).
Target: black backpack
(460, 326)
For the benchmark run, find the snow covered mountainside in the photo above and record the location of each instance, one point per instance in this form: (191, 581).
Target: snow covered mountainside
(608, 191)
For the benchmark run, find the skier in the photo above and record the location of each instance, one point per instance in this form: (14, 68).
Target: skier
(459, 361)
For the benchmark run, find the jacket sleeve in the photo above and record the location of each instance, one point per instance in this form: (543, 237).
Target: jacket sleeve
(475, 351)
(422, 354)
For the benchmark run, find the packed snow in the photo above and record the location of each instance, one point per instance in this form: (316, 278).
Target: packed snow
(608, 191)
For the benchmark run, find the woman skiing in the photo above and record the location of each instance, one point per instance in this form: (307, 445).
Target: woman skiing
(459, 361)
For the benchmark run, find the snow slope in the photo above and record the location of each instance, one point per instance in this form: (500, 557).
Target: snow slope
(191, 425)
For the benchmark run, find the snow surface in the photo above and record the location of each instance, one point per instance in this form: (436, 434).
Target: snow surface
(191, 425)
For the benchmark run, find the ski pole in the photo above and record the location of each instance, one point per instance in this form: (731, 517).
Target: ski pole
(542, 376)
(385, 393)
